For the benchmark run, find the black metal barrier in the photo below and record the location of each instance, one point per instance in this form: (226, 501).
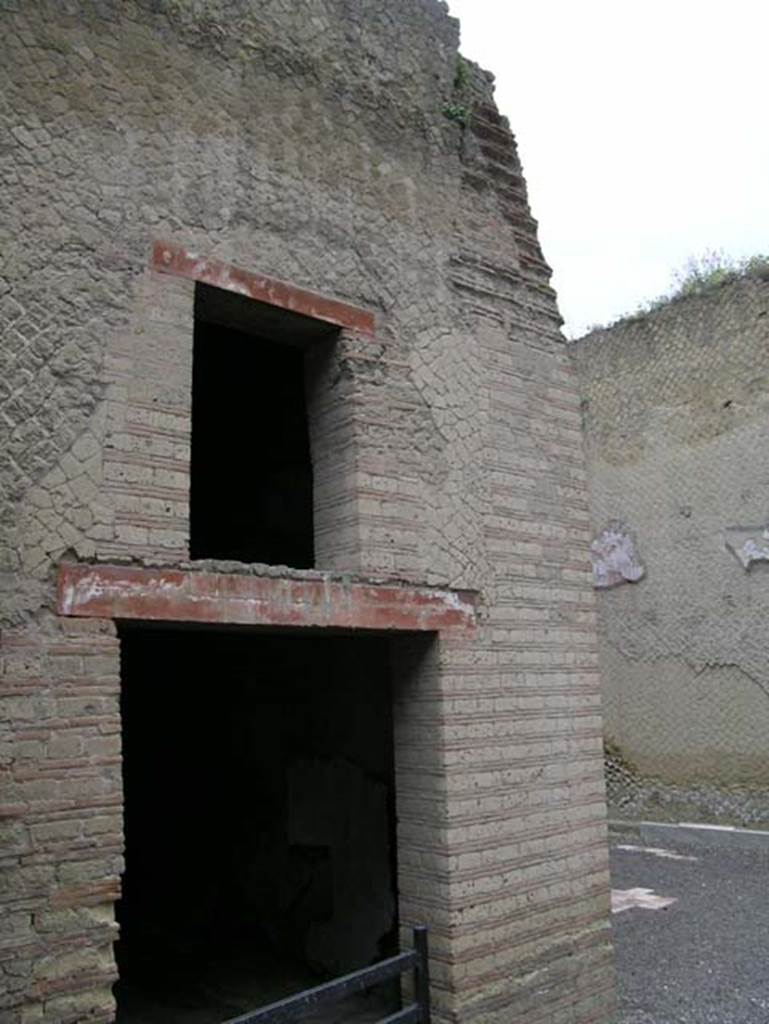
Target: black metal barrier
(296, 1007)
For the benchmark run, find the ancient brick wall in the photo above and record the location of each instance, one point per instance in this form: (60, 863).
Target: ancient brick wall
(311, 143)
(675, 410)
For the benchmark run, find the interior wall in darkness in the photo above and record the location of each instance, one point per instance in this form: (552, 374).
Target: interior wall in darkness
(259, 798)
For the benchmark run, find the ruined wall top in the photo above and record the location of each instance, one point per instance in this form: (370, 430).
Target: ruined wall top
(698, 353)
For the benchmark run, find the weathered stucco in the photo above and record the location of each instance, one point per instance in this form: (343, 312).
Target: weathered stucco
(309, 143)
(675, 408)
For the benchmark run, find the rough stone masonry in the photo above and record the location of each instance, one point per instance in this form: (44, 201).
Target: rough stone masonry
(334, 145)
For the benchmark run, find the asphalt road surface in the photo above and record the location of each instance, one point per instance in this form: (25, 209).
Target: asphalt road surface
(704, 958)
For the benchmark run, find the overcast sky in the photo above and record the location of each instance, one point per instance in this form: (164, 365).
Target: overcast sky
(643, 128)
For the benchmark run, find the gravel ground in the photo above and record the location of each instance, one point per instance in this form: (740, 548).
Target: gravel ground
(704, 959)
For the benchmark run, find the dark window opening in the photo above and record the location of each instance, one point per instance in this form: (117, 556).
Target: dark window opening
(251, 488)
(259, 820)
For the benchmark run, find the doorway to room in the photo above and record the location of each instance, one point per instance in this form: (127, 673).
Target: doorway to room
(259, 818)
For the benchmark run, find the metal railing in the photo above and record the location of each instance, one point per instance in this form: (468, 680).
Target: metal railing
(295, 1007)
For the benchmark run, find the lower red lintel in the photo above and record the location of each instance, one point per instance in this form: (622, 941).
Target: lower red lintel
(171, 595)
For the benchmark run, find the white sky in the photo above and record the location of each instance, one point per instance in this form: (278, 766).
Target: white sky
(643, 128)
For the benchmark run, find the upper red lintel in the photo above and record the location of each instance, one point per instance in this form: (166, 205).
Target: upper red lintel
(175, 595)
(168, 258)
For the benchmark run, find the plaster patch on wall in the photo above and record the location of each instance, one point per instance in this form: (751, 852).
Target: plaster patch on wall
(748, 543)
(614, 557)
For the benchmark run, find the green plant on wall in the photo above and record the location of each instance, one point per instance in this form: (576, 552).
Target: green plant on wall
(458, 109)
(456, 112)
(461, 75)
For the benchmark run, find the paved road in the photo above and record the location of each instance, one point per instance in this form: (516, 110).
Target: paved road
(705, 958)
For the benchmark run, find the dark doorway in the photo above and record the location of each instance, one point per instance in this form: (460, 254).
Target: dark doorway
(251, 488)
(259, 819)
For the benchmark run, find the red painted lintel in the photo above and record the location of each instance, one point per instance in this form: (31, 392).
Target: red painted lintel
(168, 258)
(172, 595)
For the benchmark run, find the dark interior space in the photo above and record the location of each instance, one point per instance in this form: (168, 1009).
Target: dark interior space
(259, 820)
(251, 472)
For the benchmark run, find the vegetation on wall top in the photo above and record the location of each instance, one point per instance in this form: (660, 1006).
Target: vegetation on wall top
(704, 273)
(698, 275)
(711, 269)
